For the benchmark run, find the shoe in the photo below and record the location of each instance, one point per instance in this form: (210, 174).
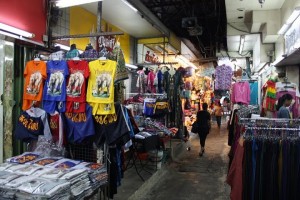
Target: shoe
(200, 154)
(188, 148)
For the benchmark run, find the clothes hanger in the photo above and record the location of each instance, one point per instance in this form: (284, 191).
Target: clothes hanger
(102, 58)
(76, 58)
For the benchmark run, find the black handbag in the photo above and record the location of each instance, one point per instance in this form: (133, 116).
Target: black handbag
(195, 127)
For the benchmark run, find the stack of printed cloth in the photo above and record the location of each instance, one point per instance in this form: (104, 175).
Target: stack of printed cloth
(30, 176)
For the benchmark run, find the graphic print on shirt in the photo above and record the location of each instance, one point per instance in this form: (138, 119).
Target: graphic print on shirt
(55, 83)
(75, 83)
(102, 85)
(35, 81)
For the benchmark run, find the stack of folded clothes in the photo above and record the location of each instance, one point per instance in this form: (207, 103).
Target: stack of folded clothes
(30, 176)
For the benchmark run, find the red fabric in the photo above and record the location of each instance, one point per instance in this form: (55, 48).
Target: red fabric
(150, 82)
(54, 127)
(76, 84)
(235, 175)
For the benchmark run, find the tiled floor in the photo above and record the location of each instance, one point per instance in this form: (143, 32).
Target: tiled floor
(189, 177)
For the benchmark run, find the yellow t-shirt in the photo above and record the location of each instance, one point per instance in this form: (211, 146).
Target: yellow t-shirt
(101, 81)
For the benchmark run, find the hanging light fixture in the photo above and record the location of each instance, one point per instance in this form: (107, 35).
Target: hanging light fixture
(16, 31)
(242, 42)
(70, 3)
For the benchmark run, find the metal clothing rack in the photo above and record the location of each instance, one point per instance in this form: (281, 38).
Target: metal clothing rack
(159, 63)
(278, 128)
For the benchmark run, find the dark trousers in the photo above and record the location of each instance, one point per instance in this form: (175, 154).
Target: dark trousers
(202, 136)
(219, 118)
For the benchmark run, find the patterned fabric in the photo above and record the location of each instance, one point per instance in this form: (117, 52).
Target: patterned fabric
(269, 96)
(118, 56)
(91, 53)
(72, 53)
(141, 81)
(223, 77)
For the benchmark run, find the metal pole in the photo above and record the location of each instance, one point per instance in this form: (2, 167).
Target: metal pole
(99, 16)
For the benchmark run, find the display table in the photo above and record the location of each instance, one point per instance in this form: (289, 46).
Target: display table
(31, 176)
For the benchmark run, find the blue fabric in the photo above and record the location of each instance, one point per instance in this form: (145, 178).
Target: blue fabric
(55, 85)
(159, 80)
(52, 106)
(254, 154)
(80, 126)
(254, 93)
(149, 104)
(131, 133)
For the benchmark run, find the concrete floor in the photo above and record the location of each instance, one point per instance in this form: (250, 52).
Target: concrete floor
(187, 177)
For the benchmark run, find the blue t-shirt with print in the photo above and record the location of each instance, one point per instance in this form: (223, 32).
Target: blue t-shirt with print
(55, 86)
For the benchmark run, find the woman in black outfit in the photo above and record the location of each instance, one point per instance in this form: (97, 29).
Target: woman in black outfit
(203, 118)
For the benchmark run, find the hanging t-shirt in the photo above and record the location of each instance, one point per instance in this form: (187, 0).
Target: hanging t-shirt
(149, 104)
(223, 77)
(241, 93)
(79, 126)
(101, 81)
(254, 93)
(110, 128)
(76, 86)
(55, 87)
(150, 82)
(35, 75)
(161, 107)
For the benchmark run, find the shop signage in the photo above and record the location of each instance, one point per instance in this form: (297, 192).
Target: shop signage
(151, 57)
(292, 37)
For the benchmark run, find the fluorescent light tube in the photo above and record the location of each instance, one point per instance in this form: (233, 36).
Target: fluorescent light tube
(16, 31)
(242, 41)
(64, 47)
(70, 3)
(131, 66)
(129, 5)
(293, 16)
(171, 48)
(283, 29)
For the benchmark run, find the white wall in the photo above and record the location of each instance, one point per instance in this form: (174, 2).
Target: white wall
(292, 73)
(256, 54)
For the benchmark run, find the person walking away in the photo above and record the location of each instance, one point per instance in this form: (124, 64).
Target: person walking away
(282, 107)
(218, 113)
(203, 118)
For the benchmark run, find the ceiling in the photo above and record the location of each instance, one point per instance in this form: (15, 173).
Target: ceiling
(119, 14)
(237, 12)
(213, 16)
(210, 15)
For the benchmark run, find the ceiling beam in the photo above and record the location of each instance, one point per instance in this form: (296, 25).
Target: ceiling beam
(150, 17)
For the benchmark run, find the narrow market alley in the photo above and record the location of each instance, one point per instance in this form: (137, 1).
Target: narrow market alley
(188, 176)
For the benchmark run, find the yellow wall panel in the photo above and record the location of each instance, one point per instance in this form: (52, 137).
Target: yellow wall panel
(83, 22)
